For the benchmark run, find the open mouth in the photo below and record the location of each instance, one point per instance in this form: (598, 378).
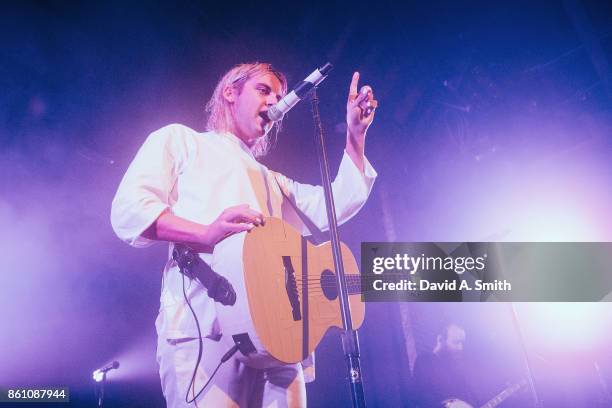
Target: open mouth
(264, 115)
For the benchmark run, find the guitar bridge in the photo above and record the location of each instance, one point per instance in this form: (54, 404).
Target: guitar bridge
(291, 288)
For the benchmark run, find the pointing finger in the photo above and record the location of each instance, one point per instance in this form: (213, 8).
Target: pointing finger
(353, 87)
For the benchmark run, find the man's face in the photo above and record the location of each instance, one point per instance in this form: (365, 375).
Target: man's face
(455, 338)
(257, 95)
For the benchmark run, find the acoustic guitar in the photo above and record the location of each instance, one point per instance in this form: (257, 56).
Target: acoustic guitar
(492, 403)
(286, 296)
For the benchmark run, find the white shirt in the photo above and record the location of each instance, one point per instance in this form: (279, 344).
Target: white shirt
(197, 176)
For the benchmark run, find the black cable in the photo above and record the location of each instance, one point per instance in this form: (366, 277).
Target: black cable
(200, 346)
(225, 357)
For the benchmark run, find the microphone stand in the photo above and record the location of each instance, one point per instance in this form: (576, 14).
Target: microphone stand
(350, 342)
(101, 391)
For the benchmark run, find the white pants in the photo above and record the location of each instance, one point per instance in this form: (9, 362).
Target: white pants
(234, 384)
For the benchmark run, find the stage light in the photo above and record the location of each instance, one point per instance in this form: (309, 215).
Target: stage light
(137, 361)
(566, 327)
(98, 375)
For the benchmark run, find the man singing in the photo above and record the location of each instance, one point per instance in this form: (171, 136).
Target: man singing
(206, 190)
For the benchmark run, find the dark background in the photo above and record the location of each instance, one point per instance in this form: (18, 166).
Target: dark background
(494, 123)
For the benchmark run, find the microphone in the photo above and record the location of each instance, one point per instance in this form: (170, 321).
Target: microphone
(299, 92)
(100, 374)
(111, 366)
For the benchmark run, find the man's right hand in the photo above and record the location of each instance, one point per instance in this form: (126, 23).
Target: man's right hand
(203, 238)
(232, 220)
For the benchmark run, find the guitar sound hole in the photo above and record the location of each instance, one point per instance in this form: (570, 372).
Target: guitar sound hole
(328, 284)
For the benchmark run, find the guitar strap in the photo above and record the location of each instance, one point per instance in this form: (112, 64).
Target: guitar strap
(318, 236)
(217, 287)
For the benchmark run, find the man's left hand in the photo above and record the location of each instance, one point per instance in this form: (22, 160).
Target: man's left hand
(360, 109)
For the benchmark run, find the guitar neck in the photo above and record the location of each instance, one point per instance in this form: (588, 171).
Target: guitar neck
(353, 284)
(502, 396)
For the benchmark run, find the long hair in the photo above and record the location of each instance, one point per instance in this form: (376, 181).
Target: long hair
(218, 109)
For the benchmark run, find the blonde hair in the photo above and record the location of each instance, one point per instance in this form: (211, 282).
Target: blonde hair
(218, 108)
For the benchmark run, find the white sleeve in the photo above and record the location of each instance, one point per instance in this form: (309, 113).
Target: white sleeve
(144, 191)
(350, 188)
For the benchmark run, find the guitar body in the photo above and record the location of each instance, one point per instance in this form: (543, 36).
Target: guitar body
(492, 403)
(287, 297)
(455, 403)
